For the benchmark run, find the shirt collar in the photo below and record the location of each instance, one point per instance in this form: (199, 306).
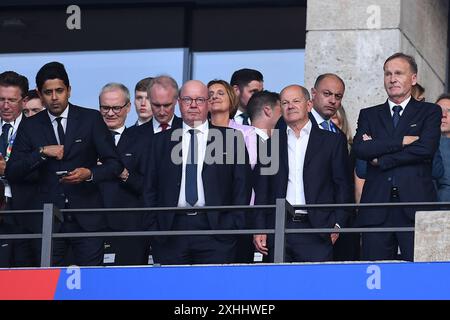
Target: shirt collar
(203, 128)
(156, 123)
(403, 104)
(119, 130)
(63, 115)
(262, 134)
(317, 116)
(14, 123)
(306, 130)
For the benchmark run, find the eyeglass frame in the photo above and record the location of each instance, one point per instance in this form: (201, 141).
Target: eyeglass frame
(112, 108)
(203, 99)
(14, 103)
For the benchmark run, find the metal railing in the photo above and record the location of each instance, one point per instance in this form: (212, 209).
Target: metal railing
(282, 207)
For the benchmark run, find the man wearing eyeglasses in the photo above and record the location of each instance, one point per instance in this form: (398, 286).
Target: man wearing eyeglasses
(183, 172)
(13, 89)
(58, 149)
(125, 191)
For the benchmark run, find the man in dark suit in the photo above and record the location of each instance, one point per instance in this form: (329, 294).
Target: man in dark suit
(163, 94)
(66, 138)
(191, 167)
(313, 169)
(398, 139)
(125, 191)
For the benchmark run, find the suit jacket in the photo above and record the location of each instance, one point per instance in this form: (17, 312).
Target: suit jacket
(326, 179)
(87, 140)
(224, 184)
(409, 167)
(133, 148)
(147, 128)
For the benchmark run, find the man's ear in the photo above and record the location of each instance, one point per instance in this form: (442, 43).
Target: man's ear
(236, 89)
(309, 105)
(267, 111)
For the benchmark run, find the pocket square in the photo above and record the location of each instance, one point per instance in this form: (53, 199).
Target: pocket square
(78, 140)
(4, 245)
(413, 125)
(128, 154)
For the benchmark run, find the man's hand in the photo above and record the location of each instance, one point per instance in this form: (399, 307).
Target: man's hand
(334, 236)
(77, 176)
(124, 175)
(2, 165)
(407, 140)
(54, 151)
(260, 242)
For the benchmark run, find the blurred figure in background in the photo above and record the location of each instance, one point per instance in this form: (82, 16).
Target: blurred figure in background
(32, 104)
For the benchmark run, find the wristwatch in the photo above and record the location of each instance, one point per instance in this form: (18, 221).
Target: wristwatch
(42, 154)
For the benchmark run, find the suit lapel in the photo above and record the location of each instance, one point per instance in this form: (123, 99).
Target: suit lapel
(386, 118)
(407, 115)
(48, 131)
(72, 127)
(314, 145)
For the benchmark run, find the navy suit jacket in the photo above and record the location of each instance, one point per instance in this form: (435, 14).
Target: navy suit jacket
(87, 140)
(409, 167)
(326, 179)
(224, 184)
(134, 149)
(147, 128)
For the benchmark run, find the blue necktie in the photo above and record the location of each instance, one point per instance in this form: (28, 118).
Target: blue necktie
(191, 170)
(325, 125)
(396, 115)
(4, 141)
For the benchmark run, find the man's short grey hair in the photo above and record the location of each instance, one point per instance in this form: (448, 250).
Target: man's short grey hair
(116, 86)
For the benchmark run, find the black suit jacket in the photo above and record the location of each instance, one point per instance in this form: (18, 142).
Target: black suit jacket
(147, 128)
(224, 184)
(134, 149)
(326, 179)
(409, 167)
(87, 140)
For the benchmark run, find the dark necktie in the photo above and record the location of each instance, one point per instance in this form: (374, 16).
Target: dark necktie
(164, 126)
(325, 125)
(60, 128)
(191, 170)
(396, 115)
(4, 141)
(114, 134)
(245, 119)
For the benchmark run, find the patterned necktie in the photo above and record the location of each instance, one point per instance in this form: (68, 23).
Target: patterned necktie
(4, 141)
(60, 128)
(191, 171)
(325, 125)
(396, 115)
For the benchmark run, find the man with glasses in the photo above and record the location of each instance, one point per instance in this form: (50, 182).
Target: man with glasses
(162, 93)
(13, 90)
(189, 168)
(59, 149)
(125, 191)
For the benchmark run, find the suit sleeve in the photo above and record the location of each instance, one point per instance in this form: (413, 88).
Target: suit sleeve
(107, 153)
(375, 148)
(135, 181)
(25, 158)
(150, 186)
(421, 150)
(261, 185)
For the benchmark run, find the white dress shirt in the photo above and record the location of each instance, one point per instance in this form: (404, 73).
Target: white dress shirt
(118, 135)
(403, 105)
(157, 126)
(295, 193)
(64, 116)
(202, 138)
(239, 119)
(11, 136)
